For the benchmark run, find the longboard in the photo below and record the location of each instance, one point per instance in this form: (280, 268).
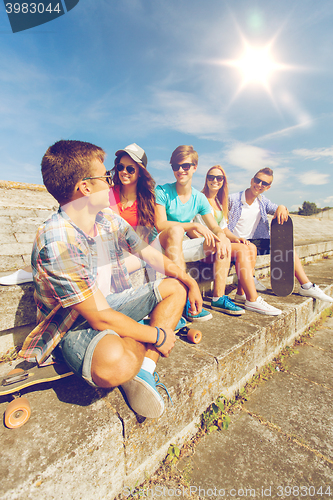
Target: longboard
(282, 257)
(18, 411)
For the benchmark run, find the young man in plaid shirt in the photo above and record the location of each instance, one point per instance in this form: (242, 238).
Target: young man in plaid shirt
(86, 308)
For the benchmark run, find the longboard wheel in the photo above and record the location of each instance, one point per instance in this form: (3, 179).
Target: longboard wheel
(17, 413)
(194, 336)
(16, 371)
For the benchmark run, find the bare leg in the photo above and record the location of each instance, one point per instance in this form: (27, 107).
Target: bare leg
(245, 256)
(221, 270)
(116, 360)
(299, 271)
(172, 240)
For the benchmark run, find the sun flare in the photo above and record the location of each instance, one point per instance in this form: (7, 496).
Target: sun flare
(256, 65)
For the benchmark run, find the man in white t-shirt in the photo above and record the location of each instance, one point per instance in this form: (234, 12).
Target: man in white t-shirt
(248, 219)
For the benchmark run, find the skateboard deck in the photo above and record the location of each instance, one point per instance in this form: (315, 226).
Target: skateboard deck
(282, 257)
(18, 411)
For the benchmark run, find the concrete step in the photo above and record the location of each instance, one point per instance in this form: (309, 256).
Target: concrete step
(86, 443)
(23, 207)
(18, 310)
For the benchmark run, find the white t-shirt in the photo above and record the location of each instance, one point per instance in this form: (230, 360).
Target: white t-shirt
(248, 220)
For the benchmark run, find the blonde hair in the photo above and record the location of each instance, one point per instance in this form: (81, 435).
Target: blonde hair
(222, 194)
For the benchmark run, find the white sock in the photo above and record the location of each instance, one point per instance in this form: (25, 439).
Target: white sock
(307, 286)
(149, 365)
(216, 298)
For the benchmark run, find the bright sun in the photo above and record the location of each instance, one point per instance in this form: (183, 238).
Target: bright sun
(257, 65)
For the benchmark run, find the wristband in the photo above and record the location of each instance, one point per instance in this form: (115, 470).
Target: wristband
(158, 335)
(165, 337)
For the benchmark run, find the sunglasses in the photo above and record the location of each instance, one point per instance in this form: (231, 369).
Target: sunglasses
(130, 170)
(185, 166)
(258, 181)
(219, 178)
(107, 177)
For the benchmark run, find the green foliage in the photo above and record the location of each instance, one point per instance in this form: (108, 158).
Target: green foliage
(308, 209)
(173, 454)
(215, 418)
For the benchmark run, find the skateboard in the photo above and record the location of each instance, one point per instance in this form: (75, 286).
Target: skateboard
(18, 411)
(192, 335)
(282, 257)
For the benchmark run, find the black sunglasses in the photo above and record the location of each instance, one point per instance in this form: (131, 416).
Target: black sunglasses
(185, 166)
(258, 181)
(107, 177)
(129, 169)
(219, 178)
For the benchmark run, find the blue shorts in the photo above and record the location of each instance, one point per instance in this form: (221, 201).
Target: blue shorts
(78, 344)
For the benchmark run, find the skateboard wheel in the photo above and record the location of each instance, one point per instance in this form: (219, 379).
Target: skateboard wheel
(16, 371)
(17, 413)
(194, 336)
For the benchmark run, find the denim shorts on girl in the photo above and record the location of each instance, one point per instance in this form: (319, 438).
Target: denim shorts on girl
(78, 344)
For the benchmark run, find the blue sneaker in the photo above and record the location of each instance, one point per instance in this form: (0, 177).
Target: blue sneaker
(203, 316)
(142, 395)
(181, 323)
(226, 305)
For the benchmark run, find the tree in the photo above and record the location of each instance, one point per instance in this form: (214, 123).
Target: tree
(308, 209)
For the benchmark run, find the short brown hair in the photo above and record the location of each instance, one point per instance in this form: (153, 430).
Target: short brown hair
(181, 153)
(65, 164)
(266, 171)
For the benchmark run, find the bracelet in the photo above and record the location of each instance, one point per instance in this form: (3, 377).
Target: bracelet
(158, 335)
(165, 337)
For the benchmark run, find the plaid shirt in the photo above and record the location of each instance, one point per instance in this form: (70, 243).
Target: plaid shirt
(64, 263)
(235, 211)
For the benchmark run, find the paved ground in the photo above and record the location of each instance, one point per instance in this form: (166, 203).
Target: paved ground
(280, 445)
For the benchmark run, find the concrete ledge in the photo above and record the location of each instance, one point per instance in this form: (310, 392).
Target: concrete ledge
(17, 306)
(82, 442)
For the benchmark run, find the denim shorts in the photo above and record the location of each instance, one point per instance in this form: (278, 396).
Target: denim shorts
(263, 246)
(78, 344)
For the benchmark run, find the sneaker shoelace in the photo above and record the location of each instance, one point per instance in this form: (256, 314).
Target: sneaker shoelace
(160, 384)
(229, 301)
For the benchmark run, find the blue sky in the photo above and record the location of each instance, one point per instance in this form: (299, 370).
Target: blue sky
(163, 73)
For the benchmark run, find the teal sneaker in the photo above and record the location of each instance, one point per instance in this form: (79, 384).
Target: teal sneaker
(142, 395)
(203, 316)
(226, 305)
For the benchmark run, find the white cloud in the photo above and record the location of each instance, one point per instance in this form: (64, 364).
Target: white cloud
(315, 154)
(183, 112)
(313, 178)
(250, 158)
(329, 200)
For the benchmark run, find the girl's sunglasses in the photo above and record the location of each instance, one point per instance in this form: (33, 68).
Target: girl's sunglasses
(130, 170)
(219, 178)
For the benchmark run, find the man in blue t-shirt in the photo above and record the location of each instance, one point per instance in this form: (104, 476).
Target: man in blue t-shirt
(176, 206)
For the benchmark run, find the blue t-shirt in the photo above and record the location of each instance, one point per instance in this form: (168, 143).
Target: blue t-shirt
(177, 211)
